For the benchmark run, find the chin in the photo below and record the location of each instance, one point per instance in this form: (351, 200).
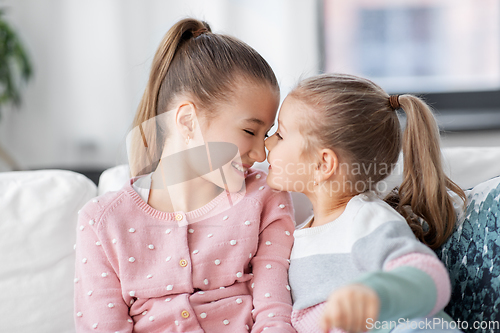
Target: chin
(235, 181)
(275, 183)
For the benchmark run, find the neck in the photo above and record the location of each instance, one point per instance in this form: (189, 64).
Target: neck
(327, 206)
(183, 196)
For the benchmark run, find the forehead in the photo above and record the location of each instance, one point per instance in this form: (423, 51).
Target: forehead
(251, 103)
(293, 111)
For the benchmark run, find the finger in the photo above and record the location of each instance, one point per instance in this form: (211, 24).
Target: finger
(359, 311)
(345, 312)
(333, 312)
(372, 310)
(324, 322)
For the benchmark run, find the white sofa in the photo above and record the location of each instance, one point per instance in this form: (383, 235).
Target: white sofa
(38, 214)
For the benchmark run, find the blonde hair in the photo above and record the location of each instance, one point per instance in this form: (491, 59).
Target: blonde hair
(191, 60)
(353, 117)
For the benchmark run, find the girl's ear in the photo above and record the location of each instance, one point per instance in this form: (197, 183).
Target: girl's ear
(186, 120)
(328, 165)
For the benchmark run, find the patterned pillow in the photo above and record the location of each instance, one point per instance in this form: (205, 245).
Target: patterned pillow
(472, 256)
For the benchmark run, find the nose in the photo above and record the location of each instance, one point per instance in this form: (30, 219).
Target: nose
(258, 152)
(270, 142)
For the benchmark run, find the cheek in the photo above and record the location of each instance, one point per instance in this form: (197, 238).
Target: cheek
(244, 145)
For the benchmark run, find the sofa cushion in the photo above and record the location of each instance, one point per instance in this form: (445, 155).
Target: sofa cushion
(472, 256)
(38, 215)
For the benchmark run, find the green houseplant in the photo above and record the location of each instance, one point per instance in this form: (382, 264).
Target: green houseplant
(15, 69)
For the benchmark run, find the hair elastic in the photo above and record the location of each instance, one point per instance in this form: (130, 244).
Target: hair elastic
(394, 102)
(199, 32)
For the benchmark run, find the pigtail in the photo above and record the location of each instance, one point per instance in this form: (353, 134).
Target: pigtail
(423, 194)
(146, 139)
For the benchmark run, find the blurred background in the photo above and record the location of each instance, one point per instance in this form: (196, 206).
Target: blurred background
(81, 66)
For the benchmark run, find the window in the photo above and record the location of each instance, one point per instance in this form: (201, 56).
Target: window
(446, 50)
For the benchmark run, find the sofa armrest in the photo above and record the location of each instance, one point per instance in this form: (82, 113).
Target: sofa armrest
(38, 214)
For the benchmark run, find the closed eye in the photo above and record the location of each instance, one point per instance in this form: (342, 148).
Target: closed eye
(279, 136)
(249, 132)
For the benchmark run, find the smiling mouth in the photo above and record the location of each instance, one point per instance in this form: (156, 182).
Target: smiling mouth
(238, 167)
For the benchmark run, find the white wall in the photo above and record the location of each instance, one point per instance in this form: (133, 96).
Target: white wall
(92, 59)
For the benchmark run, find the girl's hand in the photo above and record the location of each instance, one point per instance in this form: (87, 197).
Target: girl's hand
(349, 308)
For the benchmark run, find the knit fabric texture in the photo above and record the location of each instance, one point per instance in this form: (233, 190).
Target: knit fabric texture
(142, 270)
(369, 243)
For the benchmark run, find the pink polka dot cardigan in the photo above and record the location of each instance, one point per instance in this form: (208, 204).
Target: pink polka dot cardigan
(220, 268)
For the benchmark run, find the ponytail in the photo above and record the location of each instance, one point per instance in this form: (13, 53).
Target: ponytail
(423, 194)
(355, 116)
(191, 60)
(146, 141)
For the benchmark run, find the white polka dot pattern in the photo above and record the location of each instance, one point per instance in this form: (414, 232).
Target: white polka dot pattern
(148, 256)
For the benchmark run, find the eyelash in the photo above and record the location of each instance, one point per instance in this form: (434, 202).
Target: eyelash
(249, 132)
(279, 136)
(265, 136)
(252, 133)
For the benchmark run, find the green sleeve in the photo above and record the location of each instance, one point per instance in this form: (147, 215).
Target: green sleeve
(404, 292)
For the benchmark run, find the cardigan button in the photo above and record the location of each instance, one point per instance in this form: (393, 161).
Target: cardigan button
(185, 314)
(178, 217)
(183, 263)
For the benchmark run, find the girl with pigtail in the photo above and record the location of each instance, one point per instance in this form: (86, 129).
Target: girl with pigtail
(195, 241)
(361, 262)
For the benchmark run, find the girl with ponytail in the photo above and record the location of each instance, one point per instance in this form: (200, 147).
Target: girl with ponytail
(362, 262)
(195, 241)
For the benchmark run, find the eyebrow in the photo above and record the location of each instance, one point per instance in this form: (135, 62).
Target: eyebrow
(255, 120)
(280, 124)
(258, 122)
